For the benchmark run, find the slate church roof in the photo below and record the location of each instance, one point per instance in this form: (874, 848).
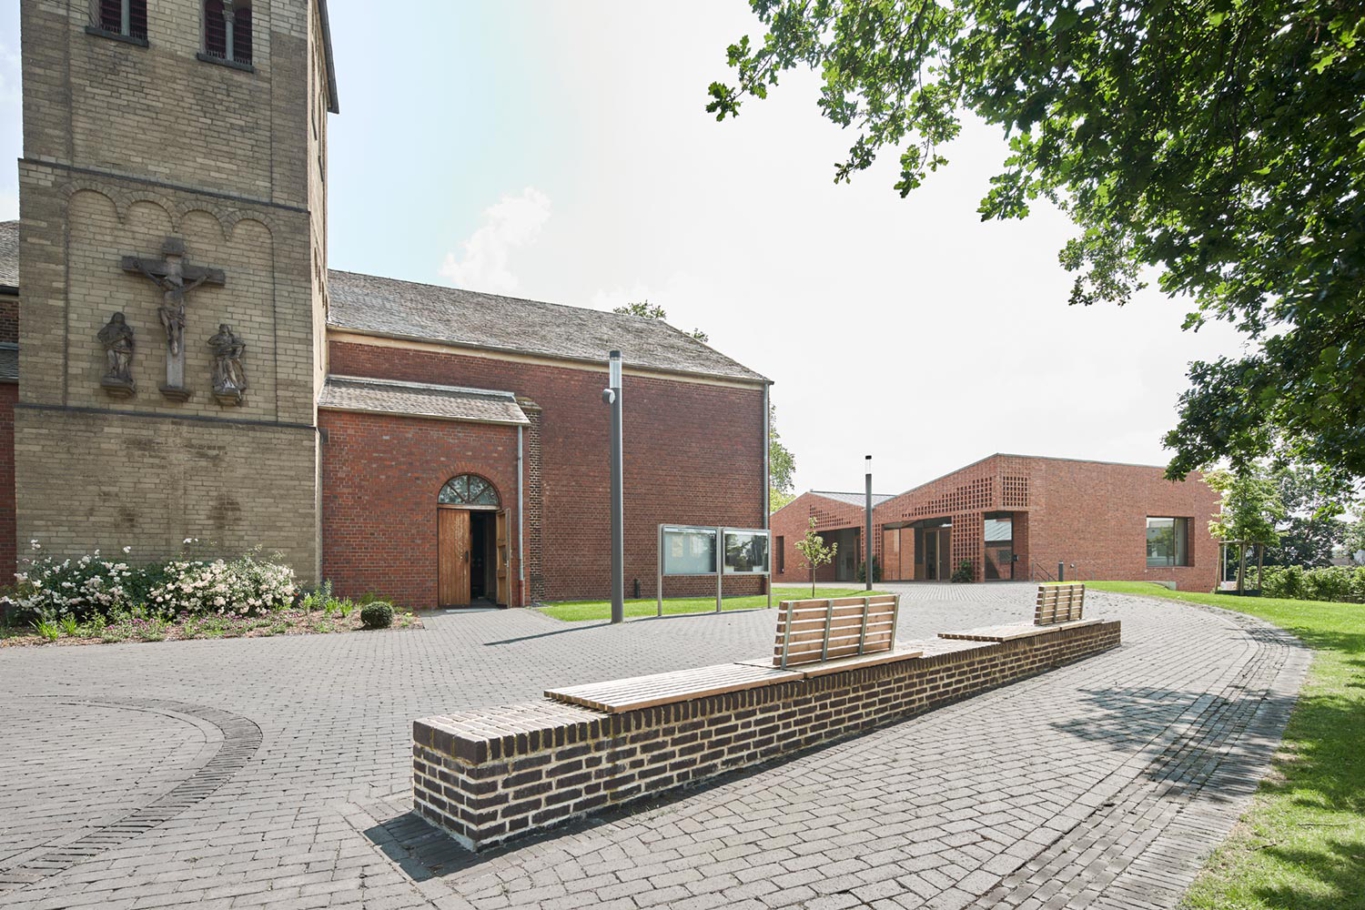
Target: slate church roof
(369, 305)
(419, 399)
(424, 312)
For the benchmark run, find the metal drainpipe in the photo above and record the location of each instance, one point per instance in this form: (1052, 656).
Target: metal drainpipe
(521, 515)
(768, 482)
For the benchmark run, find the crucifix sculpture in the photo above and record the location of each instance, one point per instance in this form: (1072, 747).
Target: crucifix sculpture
(176, 279)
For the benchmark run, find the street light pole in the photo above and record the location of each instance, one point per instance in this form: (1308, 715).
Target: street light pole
(612, 396)
(867, 542)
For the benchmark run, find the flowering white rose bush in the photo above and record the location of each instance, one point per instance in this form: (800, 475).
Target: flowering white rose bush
(244, 587)
(52, 589)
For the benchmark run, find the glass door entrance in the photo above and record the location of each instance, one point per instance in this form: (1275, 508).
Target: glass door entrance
(999, 546)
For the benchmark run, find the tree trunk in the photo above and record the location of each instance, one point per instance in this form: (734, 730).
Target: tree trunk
(812, 581)
(1241, 567)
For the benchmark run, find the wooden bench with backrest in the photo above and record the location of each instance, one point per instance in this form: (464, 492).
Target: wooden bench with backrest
(808, 632)
(1059, 603)
(820, 630)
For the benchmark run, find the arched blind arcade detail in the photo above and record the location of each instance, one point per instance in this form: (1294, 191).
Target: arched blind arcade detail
(468, 490)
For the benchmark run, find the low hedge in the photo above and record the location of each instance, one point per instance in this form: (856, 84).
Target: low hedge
(1338, 584)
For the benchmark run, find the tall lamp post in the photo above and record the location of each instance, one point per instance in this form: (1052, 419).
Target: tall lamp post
(867, 540)
(612, 396)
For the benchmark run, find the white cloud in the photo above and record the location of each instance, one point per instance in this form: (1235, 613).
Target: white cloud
(9, 205)
(610, 299)
(514, 221)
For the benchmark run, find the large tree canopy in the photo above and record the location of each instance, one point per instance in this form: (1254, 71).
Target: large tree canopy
(1220, 141)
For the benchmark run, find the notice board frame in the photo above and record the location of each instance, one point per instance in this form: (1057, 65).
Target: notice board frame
(719, 531)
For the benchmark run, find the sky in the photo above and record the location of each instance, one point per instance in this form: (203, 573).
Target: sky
(561, 151)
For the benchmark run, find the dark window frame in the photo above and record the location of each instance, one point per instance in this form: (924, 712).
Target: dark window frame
(109, 18)
(232, 49)
(1177, 548)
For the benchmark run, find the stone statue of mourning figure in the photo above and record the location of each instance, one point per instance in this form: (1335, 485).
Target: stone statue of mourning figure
(229, 378)
(117, 338)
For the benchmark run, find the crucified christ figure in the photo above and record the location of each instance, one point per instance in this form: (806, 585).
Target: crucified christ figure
(176, 278)
(172, 309)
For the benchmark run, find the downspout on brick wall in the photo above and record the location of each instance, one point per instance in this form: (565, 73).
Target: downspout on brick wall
(521, 519)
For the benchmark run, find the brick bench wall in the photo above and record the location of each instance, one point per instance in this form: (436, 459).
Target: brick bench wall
(490, 774)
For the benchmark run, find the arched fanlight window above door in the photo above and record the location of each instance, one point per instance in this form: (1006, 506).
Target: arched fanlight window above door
(468, 490)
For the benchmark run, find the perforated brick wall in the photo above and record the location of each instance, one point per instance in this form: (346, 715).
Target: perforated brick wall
(790, 524)
(490, 774)
(1090, 515)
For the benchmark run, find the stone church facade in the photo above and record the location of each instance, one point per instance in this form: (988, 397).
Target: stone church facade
(189, 368)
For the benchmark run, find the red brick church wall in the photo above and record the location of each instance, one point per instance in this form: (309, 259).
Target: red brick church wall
(693, 455)
(380, 478)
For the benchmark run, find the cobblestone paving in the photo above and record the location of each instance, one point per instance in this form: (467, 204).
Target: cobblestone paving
(275, 772)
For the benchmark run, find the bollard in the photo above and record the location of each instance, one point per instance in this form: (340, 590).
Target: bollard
(1061, 571)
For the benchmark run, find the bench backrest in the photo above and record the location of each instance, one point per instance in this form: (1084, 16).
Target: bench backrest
(1059, 603)
(814, 630)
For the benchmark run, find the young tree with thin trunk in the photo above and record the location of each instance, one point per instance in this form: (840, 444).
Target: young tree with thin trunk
(816, 554)
(1251, 510)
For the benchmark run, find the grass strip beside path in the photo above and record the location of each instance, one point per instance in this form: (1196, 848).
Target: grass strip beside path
(1301, 845)
(584, 610)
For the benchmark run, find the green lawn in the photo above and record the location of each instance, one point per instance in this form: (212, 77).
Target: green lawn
(583, 610)
(1301, 846)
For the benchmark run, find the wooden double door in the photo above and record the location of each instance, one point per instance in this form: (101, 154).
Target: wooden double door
(474, 556)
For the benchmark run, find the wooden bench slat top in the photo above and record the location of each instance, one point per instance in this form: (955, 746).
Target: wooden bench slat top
(806, 671)
(822, 603)
(837, 630)
(1014, 632)
(880, 642)
(638, 692)
(843, 616)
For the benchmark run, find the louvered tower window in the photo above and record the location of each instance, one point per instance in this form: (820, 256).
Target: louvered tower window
(227, 30)
(124, 17)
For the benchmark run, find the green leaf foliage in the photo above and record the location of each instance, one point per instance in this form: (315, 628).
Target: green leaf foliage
(1222, 144)
(647, 310)
(1251, 507)
(781, 462)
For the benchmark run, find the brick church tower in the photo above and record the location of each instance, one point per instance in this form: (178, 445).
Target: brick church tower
(173, 250)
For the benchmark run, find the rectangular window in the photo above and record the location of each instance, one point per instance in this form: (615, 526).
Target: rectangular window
(780, 551)
(1168, 542)
(124, 17)
(227, 31)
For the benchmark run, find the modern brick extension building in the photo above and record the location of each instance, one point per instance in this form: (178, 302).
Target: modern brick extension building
(177, 360)
(1017, 516)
